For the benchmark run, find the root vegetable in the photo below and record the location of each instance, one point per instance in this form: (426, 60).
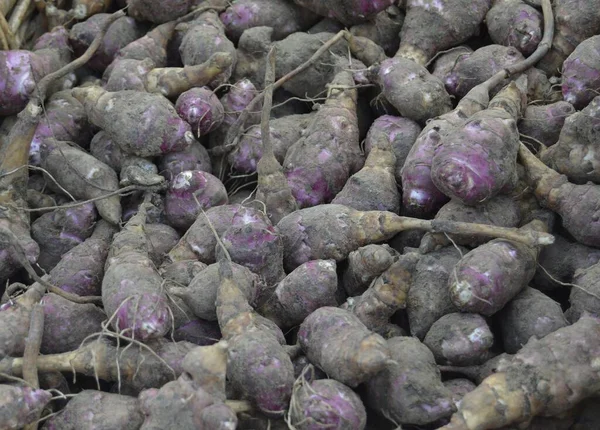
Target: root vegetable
(460, 339)
(541, 379)
(337, 341)
(409, 390)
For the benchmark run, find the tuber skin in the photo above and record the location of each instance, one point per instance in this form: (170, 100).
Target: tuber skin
(477, 373)
(445, 62)
(22, 70)
(80, 270)
(21, 406)
(258, 365)
(428, 298)
(152, 46)
(472, 69)
(568, 200)
(386, 295)
(306, 289)
(201, 293)
(326, 403)
(179, 275)
(296, 49)
(499, 210)
(201, 109)
(383, 29)
(575, 21)
(363, 266)
(190, 192)
(199, 242)
(153, 127)
(429, 28)
(374, 186)
(580, 74)
(411, 89)
(285, 132)
(519, 383)
(257, 247)
(337, 341)
(100, 410)
(459, 387)
(545, 122)
(70, 165)
(65, 120)
(529, 314)
(132, 287)
(348, 12)
(460, 339)
(205, 37)
(61, 230)
(60, 334)
(514, 23)
(467, 165)
(574, 154)
(283, 17)
(319, 164)
(15, 317)
(489, 276)
(252, 49)
(162, 239)
(584, 297)
(400, 132)
(158, 11)
(562, 260)
(195, 157)
(120, 33)
(409, 390)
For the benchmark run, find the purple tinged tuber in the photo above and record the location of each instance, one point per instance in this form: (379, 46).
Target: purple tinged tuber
(65, 120)
(284, 17)
(97, 409)
(319, 164)
(337, 341)
(190, 192)
(460, 339)
(20, 406)
(195, 157)
(83, 176)
(80, 270)
(306, 289)
(575, 152)
(581, 73)
(67, 324)
(326, 403)
(201, 108)
(400, 132)
(476, 160)
(20, 70)
(132, 289)
(120, 33)
(153, 127)
(348, 12)
(514, 23)
(575, 21)
(529, 314)
(61, 230)
(545, 122)
(409, 390)
(489, 276)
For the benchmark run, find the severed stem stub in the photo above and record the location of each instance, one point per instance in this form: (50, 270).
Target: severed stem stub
(273, 189)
